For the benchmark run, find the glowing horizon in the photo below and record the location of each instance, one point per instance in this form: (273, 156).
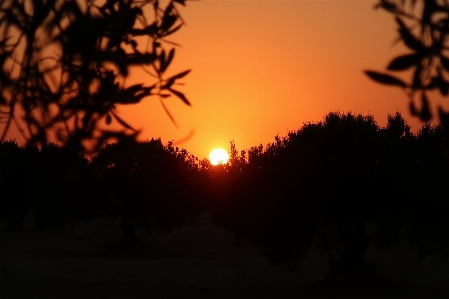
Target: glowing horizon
(262, 68)
(218, 156)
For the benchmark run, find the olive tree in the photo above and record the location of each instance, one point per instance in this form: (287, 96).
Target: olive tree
(65, 65)
(423, 27)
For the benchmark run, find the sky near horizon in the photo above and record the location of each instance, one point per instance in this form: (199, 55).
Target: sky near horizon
(264, 67)
(261, 68)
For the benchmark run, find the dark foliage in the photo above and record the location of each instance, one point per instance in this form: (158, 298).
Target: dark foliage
(64, 66)
(423, 27)
(65, 188)
(55, 184)
(320, 185)
(325, 182)
(16, 172)
(146, 184)
(149, 185)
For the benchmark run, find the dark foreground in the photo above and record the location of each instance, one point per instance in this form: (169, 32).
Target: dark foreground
(198, 261)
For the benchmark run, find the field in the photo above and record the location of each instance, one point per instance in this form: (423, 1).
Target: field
(197, 261)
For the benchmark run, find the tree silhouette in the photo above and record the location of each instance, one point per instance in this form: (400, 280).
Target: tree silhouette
(324, 183)
(149, 185)
(66, 187)
(433, 155)
(54, 183)
(423, 27)
(17, 168)
(65, 64)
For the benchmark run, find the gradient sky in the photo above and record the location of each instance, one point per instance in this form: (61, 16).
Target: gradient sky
(264, 67)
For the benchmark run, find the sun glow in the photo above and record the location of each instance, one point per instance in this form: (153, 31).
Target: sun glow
(218, 156)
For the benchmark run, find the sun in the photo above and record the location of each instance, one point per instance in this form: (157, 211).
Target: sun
(218, 156)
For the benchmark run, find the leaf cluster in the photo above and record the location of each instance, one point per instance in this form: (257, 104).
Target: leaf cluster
(64, 66)
(423, 27)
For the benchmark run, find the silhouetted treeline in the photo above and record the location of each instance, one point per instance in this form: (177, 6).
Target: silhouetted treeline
(322, 184)
(149, 185)
(145, 184)
(54, 183)
(326, 181)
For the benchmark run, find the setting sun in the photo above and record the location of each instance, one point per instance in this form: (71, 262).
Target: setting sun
(218, 156)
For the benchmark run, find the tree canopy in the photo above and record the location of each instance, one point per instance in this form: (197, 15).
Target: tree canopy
(324, 183)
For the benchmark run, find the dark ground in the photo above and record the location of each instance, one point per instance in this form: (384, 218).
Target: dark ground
(198, 261)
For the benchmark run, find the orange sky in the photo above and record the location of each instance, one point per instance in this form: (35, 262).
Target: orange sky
(263, 67)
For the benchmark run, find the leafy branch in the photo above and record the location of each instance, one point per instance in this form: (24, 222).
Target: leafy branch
(64, 65)
(423, 27)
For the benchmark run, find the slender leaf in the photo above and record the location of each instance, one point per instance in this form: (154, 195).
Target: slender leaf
(170, 57)
(133, 94)
(162, 61)
(168, 84)
(404, 62)
(385, 79)
(3, 101)
(181, 96)
(179, 76)
(444, 119)
(413, 109)
(417, 78)
(443, 86)
(169, 114)
(425, 114)
(428, 10)
(171, 31)
(122, 122)
(169, 18)
(182, 2)
(445, 62)
(409, 39)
